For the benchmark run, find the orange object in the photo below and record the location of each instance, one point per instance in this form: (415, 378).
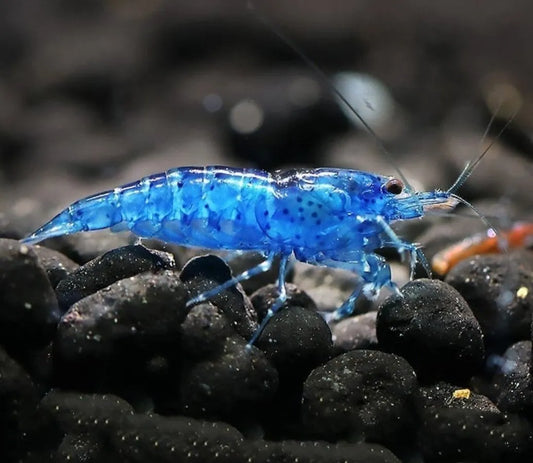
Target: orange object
(520, 235)
(461, 394)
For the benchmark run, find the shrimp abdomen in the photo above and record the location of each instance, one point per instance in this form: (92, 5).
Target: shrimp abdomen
(92, 213)
(212, 207)
(215, 207)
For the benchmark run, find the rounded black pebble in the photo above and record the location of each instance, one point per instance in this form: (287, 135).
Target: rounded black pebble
(114, 265)
(83, 448)
(514, 381)
(117, 329)
(499, 290)
(67, 423)
(154, 438)
(204, 332)
(468, 427)
(56, 265)
(203, 273)
(18, 400)
(357, 332)
(74, 413)
(28, 310)
(231, 386)
(316, 452)
(433, 328)
(264, 298)
(362, 395)
(296, 340)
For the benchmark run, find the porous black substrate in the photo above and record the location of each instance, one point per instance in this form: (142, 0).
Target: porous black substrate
(362, 395)
(470, 428)
(29, 310)
(513, 381)
(498, 289)
(104, 270)
(131, 373)
(431, 317)
(206, 272)
(115, 334)
(181, 385)
(357, 332)
(18, 401)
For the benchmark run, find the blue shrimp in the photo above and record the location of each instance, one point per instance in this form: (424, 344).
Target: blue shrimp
(328, 217)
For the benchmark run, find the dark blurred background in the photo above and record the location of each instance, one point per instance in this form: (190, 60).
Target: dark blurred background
(95, 93)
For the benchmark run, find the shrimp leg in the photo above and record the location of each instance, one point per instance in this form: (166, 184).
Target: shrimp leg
(413, 249)
(278, 303)
(264, 266)
(372, 269)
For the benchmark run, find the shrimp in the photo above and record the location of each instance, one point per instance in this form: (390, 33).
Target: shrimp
(325, 216)
(328, 217)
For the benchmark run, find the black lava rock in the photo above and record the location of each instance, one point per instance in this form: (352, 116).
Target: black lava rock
(204, 332)
(468, 427)
(112, 266)
(316, 452)
(264, 298)
(232, 385)
(499, 290)
(295, 340)
(75, 413)
(154, 438)
(18, 400)
(203, 273)
(357, 332)
(136, 313)
(75, 426)
(362, 395)
(84, 448)
(38, 363)
(56, 265)
(29, 312)
(433, 328)
(514, 381)
(117, 329)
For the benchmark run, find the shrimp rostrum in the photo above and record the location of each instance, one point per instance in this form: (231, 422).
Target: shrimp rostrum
(328, 217)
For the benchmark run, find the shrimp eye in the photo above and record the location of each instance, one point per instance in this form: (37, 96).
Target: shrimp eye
(394, 186)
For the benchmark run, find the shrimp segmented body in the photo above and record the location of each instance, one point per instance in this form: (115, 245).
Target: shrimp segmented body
(329, 217)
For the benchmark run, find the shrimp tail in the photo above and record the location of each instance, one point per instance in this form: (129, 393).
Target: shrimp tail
(93, 213)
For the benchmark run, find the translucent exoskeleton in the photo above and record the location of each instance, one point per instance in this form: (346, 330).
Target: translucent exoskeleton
(329, 217)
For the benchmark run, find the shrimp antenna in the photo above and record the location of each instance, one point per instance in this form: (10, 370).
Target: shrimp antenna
(477, 213)
(459, 214)
(329, 84)
(506, 296)
(471, 165)
(469, 168)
